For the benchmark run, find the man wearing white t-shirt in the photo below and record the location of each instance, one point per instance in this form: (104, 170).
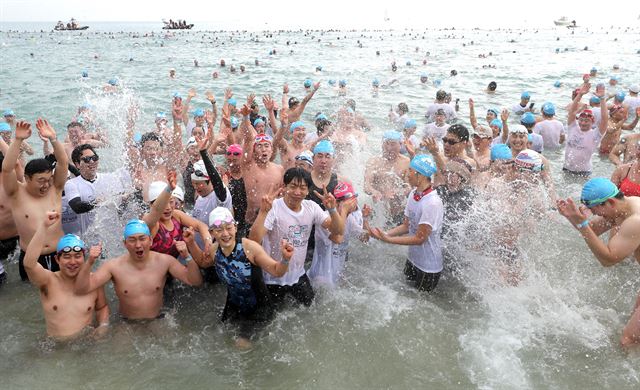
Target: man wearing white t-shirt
(632, 101)
(421, 228)
(438, 128)
(551, 129)
(291, 218)
(582, 139)
(440, 103)
(83, 193)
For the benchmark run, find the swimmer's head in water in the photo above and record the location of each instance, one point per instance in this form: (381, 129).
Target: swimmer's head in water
(297, 182)
(198, 113)
(492, 86)
(177, 95)
(155, 190)
(308, 83)
(424, 165)
(342, 83)
(635, 89)
(594, 100)
(113, 82)
(136, 226)
(70, 243)
(305, 157)
(161, 116)
(492, 114)
(296, 125)
(199, 172)
(375, 83)
(619, 97)
(424, 78)
(324, 146)
(8, 113)
(234, 122)
(410, 124)
(525, 96)
(403, 108)
(232, 102)
(178, 193)
(528, 119)
(586, 116)
(219, 217)
(441, 95)
(597, 191)
(500, 152)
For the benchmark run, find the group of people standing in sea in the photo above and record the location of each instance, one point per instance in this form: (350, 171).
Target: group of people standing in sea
(277, 219)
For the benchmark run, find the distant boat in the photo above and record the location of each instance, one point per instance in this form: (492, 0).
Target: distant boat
(178, 25)
(386, 16)
(71, 26)
(564, 21)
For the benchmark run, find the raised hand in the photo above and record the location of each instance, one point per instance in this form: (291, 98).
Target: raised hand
(568, 209)
(268, 102)
(350, 205)
(378, 234)
(192, 93)
(287, 249)
(504, 115)
(367, 211)
(94, 253)
(208, 116)
(584, 89)
(250, 99)
(172, 179)
(285, 89)
(267, 200)
(471, 104)
(228, 94)
(23, 130)
(45, 129)
(410, 149)
(600, 90)
(188, 235)
(316, 86)
(210, 97)
(181, 247)
(203, 142)
(51, 219)
(245, 110)
(328, 200)
(431, 144)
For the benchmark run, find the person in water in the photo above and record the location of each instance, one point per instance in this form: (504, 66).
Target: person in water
(239, 265)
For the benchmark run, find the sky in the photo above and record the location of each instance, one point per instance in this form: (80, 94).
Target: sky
(288, 14)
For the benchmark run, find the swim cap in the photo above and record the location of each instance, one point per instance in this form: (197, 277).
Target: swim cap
(4, 126)
(199, 171)
(529, 160)
(615, 78)
(635, 88)
(178, 193)
(500, 152)
(198, 112)
(324, 146)
(548, 109)
(528, 119)
(392, 135)
(263, 138)
(557, 84)
(423, 75)
(620, 96)
(408, 63)
(519, 129)
(484, 132)
(497, 123)
(234, 148)
(234, 122)
(343, 83)
(257, 122)
(306, 156)
(137, 137)
(495, 112)
(70, 242)
(437, 82)
(525, 95)
(232, 102)
(410, 123)
(177, 95)
(161, 115)
(191, 142)
(113, 81)
(321, 116)
(155, 189)
(344, 190)
(594, 100)
(136, 226)
(587, 113)
(8, 112)
(424, 165)
(85, 73)
(332, 82)
(219, 216)
(375, 83)
(295, 125)
(594, 69)
(308, 83)
(598, 190)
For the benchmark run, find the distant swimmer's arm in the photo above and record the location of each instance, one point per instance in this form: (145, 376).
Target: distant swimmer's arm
(37, 274)
(9, 179)
(472, 114)
(620, 246)
(306, 99)
(504, 116)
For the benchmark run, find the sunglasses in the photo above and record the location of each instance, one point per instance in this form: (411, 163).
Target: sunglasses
(68, 249)
(88, 159)
(233, 153)
(219, 222)
(450, 141)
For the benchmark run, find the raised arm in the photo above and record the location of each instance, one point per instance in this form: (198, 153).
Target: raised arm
(62, 161)
(303, 104)
(9, 178)
(185, 112)
(504, 116)
(157, 208)
(190, 274)
(258, 230)
(36, 272)
(203, 259)
(257, 255)
(335, 223)
(472, 114)
(214, 176)
(604, 119)
(575, 104)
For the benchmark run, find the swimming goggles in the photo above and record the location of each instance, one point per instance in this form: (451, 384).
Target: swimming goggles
(75, 248)
(219, 222)
(596, 202)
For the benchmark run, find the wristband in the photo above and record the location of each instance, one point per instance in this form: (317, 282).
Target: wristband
(583, 224)
(285, 261)
(332, 210)
(187, 259)
(103, 324)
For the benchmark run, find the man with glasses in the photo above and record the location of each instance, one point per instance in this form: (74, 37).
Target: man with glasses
(67, 314)
(83, 193)
(615, 213)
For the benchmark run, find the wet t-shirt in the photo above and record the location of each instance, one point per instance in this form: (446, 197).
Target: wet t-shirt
(429, 210)
(550, 130)
(580, 147)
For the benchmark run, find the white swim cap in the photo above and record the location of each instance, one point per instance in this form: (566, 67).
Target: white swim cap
(155, 189)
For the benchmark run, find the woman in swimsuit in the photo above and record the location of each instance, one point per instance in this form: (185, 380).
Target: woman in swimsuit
(627, 176)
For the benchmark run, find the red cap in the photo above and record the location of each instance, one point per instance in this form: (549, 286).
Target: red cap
(344, 190)
(587, 113)
(234, 148)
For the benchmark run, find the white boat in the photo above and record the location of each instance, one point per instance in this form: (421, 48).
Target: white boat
(563, 21)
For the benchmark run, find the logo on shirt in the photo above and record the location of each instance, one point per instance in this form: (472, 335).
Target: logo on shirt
(297, 234)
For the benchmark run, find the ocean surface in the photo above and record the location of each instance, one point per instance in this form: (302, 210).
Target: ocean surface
(558, 329)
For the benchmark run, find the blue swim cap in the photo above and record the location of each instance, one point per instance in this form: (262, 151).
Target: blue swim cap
(161, 115)
(548, 109)
(87, 105)
(198, 112)
(321, 116)
(598, 190)
(234, 122)
(497, 123)
(308, 83)
(557, 84)
(594, 100)
(525, 95)
(177, 95)
(375, 83)
(528, 119)
(113, 81)
(136, 226)
(620, 96)
(616, 78)
(350, 110)
(324, 146)
(4, 126)
(85, 73)
(232, 102)
(410, 123)
(501, 152)
(424, 165)
(72, 242)
(295, 125)
(343, 83)
(257, 122)
(594, 69)
(495, 112)
(137, 137)
(392, 135)
(332, 82)
(437, 82)
(8, 112)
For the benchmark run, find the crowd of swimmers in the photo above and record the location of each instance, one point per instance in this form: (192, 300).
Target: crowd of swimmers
(277, 219)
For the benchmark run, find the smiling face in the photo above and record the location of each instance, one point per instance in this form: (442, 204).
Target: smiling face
(224, 234)
(518, 142)
(298, 134)
(88, 164)
(70, 263)
(295, 192)
(453, 145)
(39, 183)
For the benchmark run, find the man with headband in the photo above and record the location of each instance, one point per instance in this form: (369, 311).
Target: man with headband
(615, 213)
(66, 313)
(139, 274)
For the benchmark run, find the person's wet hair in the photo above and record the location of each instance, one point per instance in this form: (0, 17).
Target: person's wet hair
(441, 95)
(403, 107)
(38, 165)
(322, 123)
(297, 174)
(74, 124)
(77, 152)
(493, 86)
(150, 136)
(460, 131)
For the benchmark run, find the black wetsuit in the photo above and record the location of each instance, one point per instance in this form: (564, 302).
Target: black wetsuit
(239, 202)
(333, 182)
(189, 191)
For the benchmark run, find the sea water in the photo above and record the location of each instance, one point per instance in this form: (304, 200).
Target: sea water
(559, 328)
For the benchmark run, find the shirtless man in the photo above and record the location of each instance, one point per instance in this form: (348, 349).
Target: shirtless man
(618, 115)
(620, 216)
(628, 146)
(289, 150)
(8, 230)
(295, 108)
(40, 192)
(77, 135)
(384, 177)
(67, 314)
(139, 274)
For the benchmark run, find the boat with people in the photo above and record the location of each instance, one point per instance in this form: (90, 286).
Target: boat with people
(71, 26)
(564, 21)
(176, 25)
